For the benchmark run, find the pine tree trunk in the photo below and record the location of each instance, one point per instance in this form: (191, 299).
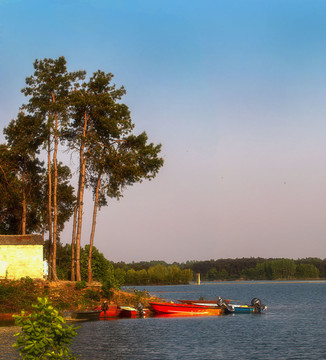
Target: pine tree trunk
(91, 241)
(73, 246)
(50, 206)
(81, 186)
(55, 206)
(80, 216)
(24, 205)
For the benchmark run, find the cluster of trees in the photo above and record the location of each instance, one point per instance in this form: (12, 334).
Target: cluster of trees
(154, 272)
(259, 269)
(67, 113)
(285, 269)
(158, 274)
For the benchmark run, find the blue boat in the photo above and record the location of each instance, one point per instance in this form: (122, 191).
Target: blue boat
(255, 307)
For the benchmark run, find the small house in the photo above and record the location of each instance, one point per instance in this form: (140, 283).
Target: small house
(21, 256)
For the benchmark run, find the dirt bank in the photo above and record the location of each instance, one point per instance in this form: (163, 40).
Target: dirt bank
(64, 295)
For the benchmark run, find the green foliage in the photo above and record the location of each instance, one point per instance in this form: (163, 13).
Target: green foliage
(306, 271)
(100, 265)
(187, 275)
(91, 294)
(114, 280)
(24, 137)
(283, 269)
(140, 295)
(81, 285)
(44, 334)
(157, 274)
(224, 269)
(11, 291)
(6, 291)
(10, 190)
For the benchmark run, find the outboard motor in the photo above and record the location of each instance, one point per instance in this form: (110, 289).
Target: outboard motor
(140, 309)
(225, 306)
(256, 303)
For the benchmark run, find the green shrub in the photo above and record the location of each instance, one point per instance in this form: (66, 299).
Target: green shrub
(91, 294)
(81, 285)
(6, 291)
(44, 334)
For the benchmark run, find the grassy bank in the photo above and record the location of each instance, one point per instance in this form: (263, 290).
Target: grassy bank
(65, 295)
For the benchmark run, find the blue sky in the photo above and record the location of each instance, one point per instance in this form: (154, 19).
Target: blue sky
(234, 91)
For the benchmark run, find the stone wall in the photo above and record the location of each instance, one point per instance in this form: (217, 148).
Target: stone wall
(21, 256)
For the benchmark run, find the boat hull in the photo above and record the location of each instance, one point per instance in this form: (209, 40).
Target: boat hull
(184, 309)
(127, 312)
(112, 311)
(86, 315)
(244, 309)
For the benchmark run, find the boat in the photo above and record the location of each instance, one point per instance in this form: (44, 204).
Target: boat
(86, 315)
(203, 302)
(228, 307)
(111, 311)
(256, 306)
(107, 310)
(184, 309)
(127, 312)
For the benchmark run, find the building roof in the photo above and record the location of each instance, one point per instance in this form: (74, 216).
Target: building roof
(21, 240)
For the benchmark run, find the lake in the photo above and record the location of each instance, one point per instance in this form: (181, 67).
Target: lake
(293, 327)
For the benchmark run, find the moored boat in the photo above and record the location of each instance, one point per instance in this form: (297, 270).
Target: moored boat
(184, 309)
(127, 311)
(228, 307)
(202, 302)
(109, 311)
(255, 307)
(86, 315)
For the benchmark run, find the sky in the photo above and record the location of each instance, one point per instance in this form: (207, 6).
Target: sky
(234, 91)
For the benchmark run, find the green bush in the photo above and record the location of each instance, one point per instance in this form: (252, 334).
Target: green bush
(6, 291)
(114, 280)
(81, 285)
(44, 334)
(91, 294)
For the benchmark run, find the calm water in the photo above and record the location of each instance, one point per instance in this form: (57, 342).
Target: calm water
(294, 327)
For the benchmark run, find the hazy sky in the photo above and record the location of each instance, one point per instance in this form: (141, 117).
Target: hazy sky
(234, 90)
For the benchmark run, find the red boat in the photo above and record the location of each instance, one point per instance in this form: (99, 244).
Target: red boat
(127, 311)
(113, 311)
(202, 302)
(109, 311)
(185, 309)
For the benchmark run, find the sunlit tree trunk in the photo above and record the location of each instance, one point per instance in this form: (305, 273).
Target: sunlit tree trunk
(55, 207)
(24, 204)
(50, 206)
(81, 187)
(91, 241)
(73, 246)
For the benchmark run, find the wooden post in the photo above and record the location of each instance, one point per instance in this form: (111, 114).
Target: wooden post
(198, 278)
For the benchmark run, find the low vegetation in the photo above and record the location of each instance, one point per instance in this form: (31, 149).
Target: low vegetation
(19, 295)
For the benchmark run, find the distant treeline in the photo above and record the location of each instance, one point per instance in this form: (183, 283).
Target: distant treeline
(229, 269)
(161, 272)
